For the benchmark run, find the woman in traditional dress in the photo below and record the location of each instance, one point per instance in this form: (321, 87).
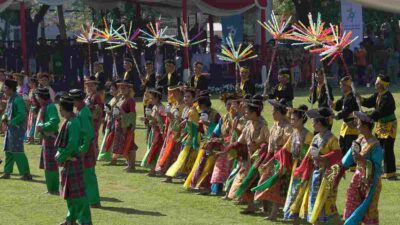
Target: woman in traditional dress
(279, 134)
(319, 201)
(226, 132)
(361, 203)
(288, 158)
(255, 134)
(106, 146)
(172, 133)
(125, 124)
(94, 101)
(33, 110)
(200, 175)
(156, 119)
(189, 138)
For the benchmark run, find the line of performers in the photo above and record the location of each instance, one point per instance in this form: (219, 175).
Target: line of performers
(286, 167)
(236, 155)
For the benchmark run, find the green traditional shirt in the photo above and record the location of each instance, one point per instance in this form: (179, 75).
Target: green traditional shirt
(18, 116)
(87, 130)
(71, 148)
(51, 119)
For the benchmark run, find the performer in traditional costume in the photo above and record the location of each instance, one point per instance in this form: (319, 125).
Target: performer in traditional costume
(198, 81)
(96, 105)
(148, 82)
(108, 139)
(189, 137)
(156, 119)
(246, 86)
(172, 133)
(386, 122)
(87, 147)
(44, 82)
(319, 201)
(255, 135)
(280, 132)
(200, 175)
(47, 127)
(33, 110)
(361, 203)
(171, 78)
(128, 74)
(318, 92)
(227, 132)
(71, 166)
(125, 125)
(100, 77)
(289, 157)
(15, 118)
(19, 77)
(284, 89)
(347, 104)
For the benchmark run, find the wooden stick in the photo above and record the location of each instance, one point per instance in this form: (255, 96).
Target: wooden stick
(313, 88)
(134, 61)
(266, 85)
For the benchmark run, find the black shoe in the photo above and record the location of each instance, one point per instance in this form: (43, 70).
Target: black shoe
(27, 177)
(6, 176)
(394, 178)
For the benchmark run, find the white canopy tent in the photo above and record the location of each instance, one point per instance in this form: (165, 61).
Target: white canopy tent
(384, 5)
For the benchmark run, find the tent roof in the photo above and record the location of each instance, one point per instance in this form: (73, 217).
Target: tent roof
(213, 7)
(172, 7)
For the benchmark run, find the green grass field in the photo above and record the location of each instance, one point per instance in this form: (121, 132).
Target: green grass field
(137, 199)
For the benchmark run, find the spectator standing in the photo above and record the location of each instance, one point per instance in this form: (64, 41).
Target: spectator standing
(392, 67)
(360, 56)
(42, 56)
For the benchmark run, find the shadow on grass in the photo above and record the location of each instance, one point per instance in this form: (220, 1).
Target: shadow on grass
(37, 181)
(110, 199)
(131, 211)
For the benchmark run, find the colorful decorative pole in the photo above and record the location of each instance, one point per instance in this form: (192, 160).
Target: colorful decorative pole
(185, 48)
(22, 16)
(212, 43)
(263, 40)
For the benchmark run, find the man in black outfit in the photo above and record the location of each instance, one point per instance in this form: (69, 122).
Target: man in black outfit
(171, 78)
(284, 89)
(318, 91)
(247, 86)
(386, 122)
(198, 81)
(148, 82)
(100, 75)
(346, 106)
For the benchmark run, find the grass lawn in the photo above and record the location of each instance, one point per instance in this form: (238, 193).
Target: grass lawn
(137, 199)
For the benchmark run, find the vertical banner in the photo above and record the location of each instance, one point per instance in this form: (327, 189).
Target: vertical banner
(232, 25)
(352, 19)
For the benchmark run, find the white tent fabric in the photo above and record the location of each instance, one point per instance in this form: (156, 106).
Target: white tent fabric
(384, 5)
(4, 4)
(52, 2)
(204, 7)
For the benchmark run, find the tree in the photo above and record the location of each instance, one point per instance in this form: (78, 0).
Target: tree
(10, 17)
(61, 22)
(303, 7)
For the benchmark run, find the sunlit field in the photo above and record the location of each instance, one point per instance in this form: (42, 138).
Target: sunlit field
(133, 198)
